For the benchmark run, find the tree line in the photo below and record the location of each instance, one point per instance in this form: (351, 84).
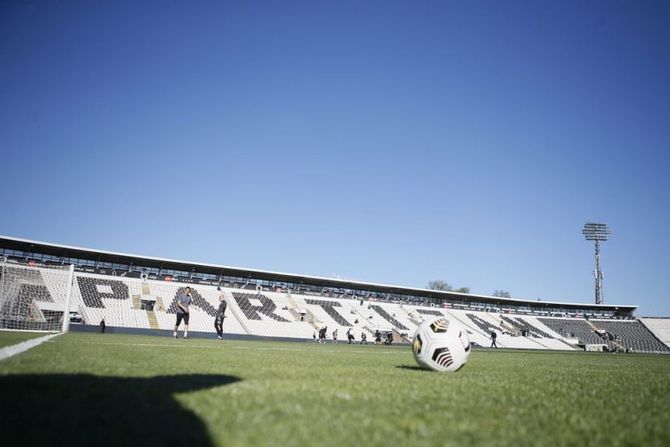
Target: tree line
(444, 286)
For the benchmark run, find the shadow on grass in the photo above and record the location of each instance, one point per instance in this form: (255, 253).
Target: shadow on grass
(411, 367)
(81, 409)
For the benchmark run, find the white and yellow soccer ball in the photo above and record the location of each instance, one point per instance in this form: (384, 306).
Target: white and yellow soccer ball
(441, 344)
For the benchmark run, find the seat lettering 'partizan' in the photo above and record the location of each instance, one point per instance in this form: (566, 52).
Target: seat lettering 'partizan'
(93, 290)
(252, 312)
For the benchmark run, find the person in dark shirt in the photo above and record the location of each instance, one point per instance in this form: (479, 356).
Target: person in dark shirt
(493, 339)
(103, 326)
(350, 336)
(220, 315)
(183, 303)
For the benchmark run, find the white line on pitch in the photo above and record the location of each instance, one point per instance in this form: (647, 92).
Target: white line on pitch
(18, 348)
(251, 348)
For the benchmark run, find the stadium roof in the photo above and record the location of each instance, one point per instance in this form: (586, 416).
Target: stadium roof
(30, 246)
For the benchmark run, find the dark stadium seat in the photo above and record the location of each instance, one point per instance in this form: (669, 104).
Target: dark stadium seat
(483, 325)
(196, 300)
(575, 328)
(252, 312)
(329, 306)
(20, 294)
(632, 335)
(430, 312)
(27, 294)
(388, 317)
(526, 327)
(92, 295)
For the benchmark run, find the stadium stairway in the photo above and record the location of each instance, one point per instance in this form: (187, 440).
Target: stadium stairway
(297, 301)
(412, 317)
(298, 304)
(153, 321)
(510, 327)
(395, 315)
(359, 314)
(236, 311)
(159, 303)
(606, 338)
(399, 338)
(593, 326)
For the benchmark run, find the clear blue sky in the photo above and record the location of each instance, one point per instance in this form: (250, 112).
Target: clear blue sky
(386, 141)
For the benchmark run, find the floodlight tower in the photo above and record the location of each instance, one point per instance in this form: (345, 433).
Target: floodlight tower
(597, 232)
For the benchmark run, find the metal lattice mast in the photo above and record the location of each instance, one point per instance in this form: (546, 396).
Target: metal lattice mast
(597, 232)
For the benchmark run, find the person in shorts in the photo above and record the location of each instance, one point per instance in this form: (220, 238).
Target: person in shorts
(183, 303)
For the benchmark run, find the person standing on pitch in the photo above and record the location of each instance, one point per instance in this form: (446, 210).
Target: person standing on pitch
(493, 339)
(220, 315)
(183, 301)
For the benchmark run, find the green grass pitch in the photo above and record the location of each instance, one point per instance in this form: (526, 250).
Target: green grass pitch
(105, 389)
(9, 338)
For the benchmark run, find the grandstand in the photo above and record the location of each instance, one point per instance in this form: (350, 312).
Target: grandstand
(136, 292)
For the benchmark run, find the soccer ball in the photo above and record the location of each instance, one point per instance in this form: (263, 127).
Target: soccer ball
(442, 344)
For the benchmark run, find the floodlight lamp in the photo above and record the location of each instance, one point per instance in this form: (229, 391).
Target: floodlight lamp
(596, 231)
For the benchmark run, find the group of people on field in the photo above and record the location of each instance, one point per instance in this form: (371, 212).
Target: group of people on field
(385, 338)
(320, 336)
(184, 300)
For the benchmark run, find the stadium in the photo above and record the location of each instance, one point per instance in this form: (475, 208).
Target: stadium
(268, 371)
(138, 294)
(334, 224)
